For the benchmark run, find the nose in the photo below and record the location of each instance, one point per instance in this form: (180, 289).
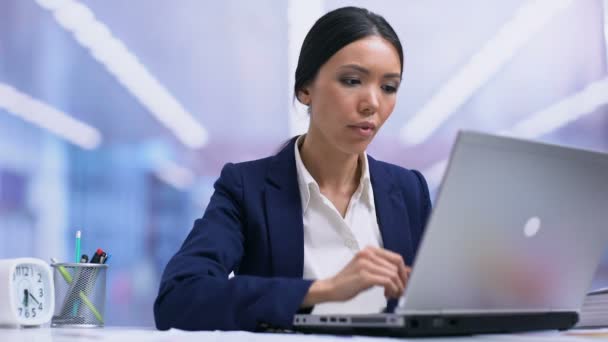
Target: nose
(369, 102)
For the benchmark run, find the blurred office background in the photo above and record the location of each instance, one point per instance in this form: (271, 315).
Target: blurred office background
(117, 116)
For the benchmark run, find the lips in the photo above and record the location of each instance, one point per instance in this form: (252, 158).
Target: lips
(363, 129)
(365, 125)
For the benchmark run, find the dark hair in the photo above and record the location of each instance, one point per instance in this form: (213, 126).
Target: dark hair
(335, 30)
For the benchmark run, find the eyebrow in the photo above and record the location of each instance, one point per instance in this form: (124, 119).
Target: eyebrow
(365, 71)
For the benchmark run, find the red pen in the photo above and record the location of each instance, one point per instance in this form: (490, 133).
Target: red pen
(95, 259)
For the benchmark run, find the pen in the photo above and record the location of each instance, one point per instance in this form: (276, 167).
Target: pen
(102, 259)
(97, 256)
(107, 258)
(78, 245)
(65, 274)
(84, 258)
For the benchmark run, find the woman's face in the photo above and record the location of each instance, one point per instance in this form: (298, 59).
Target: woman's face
(353, 94)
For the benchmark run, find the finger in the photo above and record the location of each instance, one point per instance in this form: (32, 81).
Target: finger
(379, 258)
(396, 260)
(390, 256)
(390, 290)
(382, 267)
(390, 295)
(406, 274)
(389, 270)
(389, 278)
(393, 259)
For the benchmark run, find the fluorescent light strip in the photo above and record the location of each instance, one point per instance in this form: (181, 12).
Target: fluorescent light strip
(175, 175)
(132, 74)
(563, 112)
(49, 118)
(301, 15)
(545, 121)
(528, 20)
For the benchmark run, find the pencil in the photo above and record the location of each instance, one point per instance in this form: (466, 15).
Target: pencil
(78, 256)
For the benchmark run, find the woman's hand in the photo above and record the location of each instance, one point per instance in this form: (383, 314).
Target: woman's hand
(370, 267)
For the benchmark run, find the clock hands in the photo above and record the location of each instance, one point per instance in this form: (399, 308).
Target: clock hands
(25, 297)
(34, 298)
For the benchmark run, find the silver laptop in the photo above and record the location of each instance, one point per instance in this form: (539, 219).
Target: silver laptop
(513, 242)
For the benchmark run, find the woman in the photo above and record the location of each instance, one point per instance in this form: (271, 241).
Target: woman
(320, 226)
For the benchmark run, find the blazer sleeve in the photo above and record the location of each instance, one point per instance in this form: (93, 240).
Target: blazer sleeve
(195, 292)
(425, 199)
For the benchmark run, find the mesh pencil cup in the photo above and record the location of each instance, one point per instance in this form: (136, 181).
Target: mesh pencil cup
(80, 294)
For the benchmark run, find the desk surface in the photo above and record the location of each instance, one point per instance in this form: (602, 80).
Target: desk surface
(139, 334)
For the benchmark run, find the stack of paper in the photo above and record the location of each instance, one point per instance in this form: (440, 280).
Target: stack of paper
(594, 312)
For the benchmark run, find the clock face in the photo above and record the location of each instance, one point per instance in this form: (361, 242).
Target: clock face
(32, 297)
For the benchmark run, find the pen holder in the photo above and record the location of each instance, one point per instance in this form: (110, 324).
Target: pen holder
(80, 294)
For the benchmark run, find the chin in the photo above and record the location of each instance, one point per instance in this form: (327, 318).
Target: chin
(356, 147)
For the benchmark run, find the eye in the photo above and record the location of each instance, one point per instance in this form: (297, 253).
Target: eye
(350, 81)
(389, 89)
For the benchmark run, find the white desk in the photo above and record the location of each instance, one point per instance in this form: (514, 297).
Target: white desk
(138, 334)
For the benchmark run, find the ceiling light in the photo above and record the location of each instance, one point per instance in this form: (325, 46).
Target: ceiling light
(528, 20)
(124, 65)
(543, 122)
(49, 118)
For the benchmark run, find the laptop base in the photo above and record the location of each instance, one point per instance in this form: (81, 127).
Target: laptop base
(398, 325)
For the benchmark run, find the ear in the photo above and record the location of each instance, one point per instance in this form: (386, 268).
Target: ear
(304, 96)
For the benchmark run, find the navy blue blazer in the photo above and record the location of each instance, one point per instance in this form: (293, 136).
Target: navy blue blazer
(253, 226)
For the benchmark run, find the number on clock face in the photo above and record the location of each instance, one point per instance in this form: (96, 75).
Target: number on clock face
(31, 291)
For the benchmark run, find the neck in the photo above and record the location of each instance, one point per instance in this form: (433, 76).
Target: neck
(334, 170)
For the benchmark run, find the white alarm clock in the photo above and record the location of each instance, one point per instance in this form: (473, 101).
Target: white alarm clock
(27, 295)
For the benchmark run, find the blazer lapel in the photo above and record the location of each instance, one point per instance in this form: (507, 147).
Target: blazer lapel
(393, 218)
(284, 215)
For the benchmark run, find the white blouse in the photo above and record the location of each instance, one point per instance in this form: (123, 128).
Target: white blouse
(331, 241)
